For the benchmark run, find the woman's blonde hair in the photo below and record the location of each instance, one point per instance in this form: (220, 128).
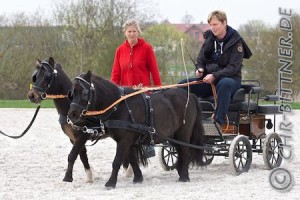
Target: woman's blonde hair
(219, 15)
(132, 22)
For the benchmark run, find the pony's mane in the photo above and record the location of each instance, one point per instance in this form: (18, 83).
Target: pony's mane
(60, 70)
(106, 85)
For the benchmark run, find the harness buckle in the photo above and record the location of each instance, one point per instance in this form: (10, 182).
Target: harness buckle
(93, 132)
(151, 130)
(102, 127)
(43, 96)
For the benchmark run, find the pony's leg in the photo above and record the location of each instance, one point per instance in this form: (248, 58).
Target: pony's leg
(128, 171)
(179, 161)
(72, 134)
(138, 176)
(78, 145)
(126, 163)
(127, 168)
(183, 164)
(84, 159)
(121, 154)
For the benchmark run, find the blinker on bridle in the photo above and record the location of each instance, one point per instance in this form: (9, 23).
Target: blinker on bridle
(87, 93)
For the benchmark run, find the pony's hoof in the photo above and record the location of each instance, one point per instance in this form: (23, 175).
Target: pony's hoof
(66, 179)
(110, 186)
(138, 180)
(183, 179)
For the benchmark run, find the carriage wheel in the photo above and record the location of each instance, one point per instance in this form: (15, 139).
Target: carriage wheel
(271, 150)
(240, 154)
(168, 157)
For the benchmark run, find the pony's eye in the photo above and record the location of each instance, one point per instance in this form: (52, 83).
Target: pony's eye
(47, 76)
(70, 94)
(85, 94)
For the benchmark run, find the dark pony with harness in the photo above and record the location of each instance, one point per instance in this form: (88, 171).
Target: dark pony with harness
(50, 81)
(141, 119)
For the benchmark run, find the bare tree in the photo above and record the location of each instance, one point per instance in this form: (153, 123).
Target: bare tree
(187, 19)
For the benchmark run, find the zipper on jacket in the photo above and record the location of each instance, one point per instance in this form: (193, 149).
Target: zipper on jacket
(131, 59)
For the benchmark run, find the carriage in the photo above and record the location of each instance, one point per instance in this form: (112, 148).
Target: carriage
(176, 130)
(251, 128)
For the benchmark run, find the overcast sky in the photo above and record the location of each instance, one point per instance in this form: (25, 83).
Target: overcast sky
(238, 12)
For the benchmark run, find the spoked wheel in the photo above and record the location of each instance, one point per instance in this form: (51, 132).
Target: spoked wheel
(240, 154)
(168, 157)
(271, 150)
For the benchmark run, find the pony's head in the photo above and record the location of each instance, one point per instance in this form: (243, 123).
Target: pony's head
(81, 95)
(90, 93)
(42, 78)
(48, 78)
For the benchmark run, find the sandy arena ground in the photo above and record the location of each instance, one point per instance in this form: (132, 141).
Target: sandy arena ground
(33, 168)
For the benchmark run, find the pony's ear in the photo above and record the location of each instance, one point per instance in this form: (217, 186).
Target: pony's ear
(51, 61)
(89, 75)
(38, 63)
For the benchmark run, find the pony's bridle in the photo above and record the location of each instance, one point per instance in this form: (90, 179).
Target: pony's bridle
(50, 74)
(87, 93)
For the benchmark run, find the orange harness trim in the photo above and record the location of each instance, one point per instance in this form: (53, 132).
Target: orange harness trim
(58, 96)
(146, 89)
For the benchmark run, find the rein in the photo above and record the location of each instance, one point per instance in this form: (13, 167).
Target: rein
(28, 127)
(141, 90)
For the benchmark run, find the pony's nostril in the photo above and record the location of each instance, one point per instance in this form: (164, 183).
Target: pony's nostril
(30, 95)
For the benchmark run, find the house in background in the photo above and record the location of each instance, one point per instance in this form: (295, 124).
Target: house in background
(195, 31)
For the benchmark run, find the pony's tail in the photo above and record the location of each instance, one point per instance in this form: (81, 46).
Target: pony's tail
(197, 155)
(140, 155)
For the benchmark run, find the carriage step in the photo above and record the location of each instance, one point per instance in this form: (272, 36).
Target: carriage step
(210, 128)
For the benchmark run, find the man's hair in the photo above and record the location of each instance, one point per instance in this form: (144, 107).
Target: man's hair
(218, 14)
(132, 22)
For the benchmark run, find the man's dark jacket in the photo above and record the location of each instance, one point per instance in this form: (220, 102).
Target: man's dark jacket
(229, 62)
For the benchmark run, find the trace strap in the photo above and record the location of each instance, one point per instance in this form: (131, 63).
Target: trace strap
(28, 127)
(171, 140)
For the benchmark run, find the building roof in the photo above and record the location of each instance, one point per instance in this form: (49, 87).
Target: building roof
(186, 27)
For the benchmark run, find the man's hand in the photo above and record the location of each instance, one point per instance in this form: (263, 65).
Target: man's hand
(209, 78)
(199, 72)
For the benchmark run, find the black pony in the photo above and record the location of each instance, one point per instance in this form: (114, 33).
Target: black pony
(49, 79)
(144, 118)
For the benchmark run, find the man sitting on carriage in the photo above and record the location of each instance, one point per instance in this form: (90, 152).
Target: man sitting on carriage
(219, 62)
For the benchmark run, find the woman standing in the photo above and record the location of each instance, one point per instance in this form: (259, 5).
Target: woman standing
(134, 61)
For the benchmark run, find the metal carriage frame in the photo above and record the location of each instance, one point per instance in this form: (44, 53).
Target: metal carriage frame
(245, 134)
